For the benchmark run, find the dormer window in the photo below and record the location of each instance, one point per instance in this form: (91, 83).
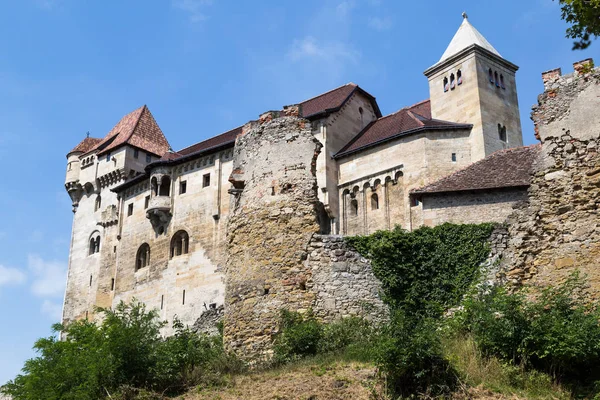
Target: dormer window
(446, 86)
(459, 77)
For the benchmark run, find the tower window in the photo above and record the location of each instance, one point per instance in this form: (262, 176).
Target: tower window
(491, 75)
(94, 243)
(182, 187)
(374, 202)
(502, 133)
(146, 202)
(459, 77)
(502, 81)
(496, 80)
(446, 86)
(130, 210)
(206, 180)
(136, 153)
(452, 82)
(453, 157)
(98, 203)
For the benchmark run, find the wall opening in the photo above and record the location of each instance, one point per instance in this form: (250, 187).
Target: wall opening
(374, 202)
(180, 244)
(165, 186)
(142, 258)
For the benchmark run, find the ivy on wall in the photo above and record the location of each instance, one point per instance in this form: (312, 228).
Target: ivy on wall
(429, 270)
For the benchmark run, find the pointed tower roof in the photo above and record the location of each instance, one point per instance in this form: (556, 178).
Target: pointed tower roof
(138, 129)
(467, 36)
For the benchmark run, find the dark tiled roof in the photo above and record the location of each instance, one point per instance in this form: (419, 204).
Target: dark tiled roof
(216, 141)
(407, 120)
(85, 145)
(502, 169)
(139, 129)
(329, 101)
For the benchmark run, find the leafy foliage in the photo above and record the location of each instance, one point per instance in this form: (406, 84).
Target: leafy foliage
(411, 356)
(429, 270)
(584, 17)
(125, 351)
(557, 332)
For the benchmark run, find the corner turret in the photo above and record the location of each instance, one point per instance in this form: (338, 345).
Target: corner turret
(72, 184)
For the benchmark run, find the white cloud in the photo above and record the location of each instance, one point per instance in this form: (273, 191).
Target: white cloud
(49, 277)
(52, 310)
(195, 8)
(311, 49)
(344, 8)
(380, 24)
(11, 276)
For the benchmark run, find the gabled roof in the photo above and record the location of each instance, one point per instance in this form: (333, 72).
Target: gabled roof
(85, 145)
(415, 118)
(502, 169)
(333, 101)
(467, 36)
(138, 129)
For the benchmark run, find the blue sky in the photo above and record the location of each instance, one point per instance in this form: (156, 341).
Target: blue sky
(202, 67)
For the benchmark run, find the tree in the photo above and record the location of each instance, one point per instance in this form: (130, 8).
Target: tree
(584, 17)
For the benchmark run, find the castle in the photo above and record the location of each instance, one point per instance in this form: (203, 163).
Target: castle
(151, 223)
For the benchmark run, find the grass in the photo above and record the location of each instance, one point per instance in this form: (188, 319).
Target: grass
(477, 371)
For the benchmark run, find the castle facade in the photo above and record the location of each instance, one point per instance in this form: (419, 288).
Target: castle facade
(151, 223)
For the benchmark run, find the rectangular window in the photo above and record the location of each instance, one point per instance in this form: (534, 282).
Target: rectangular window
(107, 157)
(162, 301)
(148, 158)
(130, 210)
(453, 157)
(146, 202)
(112, 284)
(182, 187)
(183, 300)
(206, 180)
(136, 153)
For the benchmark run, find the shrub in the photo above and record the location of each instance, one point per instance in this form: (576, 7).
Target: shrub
(125, 355)
(410, 354)
(429, 270)
(300, 336)
(557, 331)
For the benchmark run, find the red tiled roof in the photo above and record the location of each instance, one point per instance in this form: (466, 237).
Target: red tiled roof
(216, 141)
(331, 100)
(86, 145)
(504, 168)
(404, 121)
(139, 129)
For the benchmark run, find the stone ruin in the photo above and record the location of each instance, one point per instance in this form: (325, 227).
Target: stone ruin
(276, 257)
(557, 231)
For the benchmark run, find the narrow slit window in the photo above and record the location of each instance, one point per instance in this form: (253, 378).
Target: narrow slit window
(491, 75)
(459, 77)
(183, 300)
(112, 284)
(446, 86)
(162, 301)
(496, 79)
(452, 82)
(502, 82)
(453, 157)
(90, 280)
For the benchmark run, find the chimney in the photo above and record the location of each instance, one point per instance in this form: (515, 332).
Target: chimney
(583, 66)
(549, 77)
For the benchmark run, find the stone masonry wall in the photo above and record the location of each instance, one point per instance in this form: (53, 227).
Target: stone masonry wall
(558, 230)
(342, 281)
(273, 217)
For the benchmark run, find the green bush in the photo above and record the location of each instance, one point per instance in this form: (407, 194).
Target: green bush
(124, 354)
(410, 355)
(557, 331)
(303, 335)
(429, 270)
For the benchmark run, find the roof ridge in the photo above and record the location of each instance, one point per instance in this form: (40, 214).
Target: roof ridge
(329, 91)
(412, 115)
(137, 122)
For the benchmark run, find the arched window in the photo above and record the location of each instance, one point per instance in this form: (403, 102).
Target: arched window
(459, 77)
(446, 86)
(496, 80)
(142, 259)
(452, 81)
(374, 202)
(354, 207)
(165, 186)
(502, 81)
(154, 186)
(94, 243)
(98, 203)
(180, 244)
(491, 75)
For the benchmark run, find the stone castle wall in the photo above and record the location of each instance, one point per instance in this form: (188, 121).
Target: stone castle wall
(275, 259)
(558, 230)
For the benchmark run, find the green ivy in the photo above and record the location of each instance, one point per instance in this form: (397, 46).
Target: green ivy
(429, 270)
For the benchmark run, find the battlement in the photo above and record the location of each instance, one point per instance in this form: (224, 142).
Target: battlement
(554, 77)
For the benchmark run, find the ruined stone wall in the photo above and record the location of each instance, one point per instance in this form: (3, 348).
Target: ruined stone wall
(558, 230)
(343, 281)
(471, 207)
(273, 217)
